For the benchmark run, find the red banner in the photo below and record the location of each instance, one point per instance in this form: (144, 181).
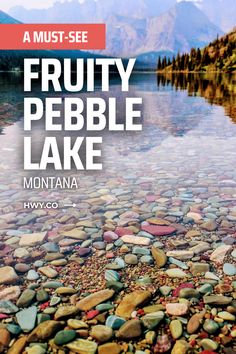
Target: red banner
(52, 36)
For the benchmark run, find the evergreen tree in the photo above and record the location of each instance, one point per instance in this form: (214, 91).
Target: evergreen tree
(198, 56)
(159, 67)
(164, 62)
(173, 63)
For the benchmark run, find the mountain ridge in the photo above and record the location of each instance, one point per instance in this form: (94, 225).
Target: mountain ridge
(177, 29)
(5, 18)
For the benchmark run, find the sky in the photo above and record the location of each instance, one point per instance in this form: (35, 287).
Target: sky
(5, 5)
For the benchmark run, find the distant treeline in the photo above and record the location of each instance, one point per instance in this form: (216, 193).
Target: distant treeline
(218, 55)
(13, 60)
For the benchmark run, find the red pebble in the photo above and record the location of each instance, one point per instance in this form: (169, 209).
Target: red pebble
(91, 314)
(110, 236)
(121, 231)
(193, 343)
(203, 335)
(44, 305)
(110, 255)
(182, 286)
(201, 305)
(140, 312)
(7, 249)
(3, 316)
(158, 230)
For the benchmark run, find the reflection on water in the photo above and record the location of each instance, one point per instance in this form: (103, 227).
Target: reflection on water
(185, 141)
(217, 89)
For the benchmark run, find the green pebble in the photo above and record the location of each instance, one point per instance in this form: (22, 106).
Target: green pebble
(118, 243)
(165, 290)
(52, 284)
(55, 300)
(42, 317)
(42, 295)
(209, 344)
(114, 322)
(205, 288)
(50, 310)
(42, 345)
(115, 285)
(176, 329)
(152, 320)
(144, 280)
(64, 337)
(14, 329)
(104, 307)
(111, 275)
(210, 326)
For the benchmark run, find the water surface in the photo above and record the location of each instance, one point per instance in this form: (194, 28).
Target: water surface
(187, 145)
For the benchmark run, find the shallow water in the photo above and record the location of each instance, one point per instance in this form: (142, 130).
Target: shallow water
(185, 150)
(171, 186)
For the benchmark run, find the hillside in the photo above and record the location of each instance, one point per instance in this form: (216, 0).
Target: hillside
(219, 55)
(5, 18)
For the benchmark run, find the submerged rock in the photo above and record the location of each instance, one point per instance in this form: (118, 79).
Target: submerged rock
(130, 301)
(8, 275)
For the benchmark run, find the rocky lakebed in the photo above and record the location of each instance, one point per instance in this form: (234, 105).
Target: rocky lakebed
(145, 261)
(125, 272)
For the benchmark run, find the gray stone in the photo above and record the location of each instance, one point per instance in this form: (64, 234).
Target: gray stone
(229, 269)
(26, 318)
(26, 298)
(7, 307)
(32, 275)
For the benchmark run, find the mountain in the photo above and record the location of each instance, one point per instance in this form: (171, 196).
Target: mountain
(92, 10)
(178, 30)
(13, 59)
(5, 18)
(182, 27)
(222, 13)
(219, 55)
(141, 28)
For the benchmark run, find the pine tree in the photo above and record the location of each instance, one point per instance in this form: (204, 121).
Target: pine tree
(198, 57)
(178, 61)
(186, 61)
(159, 63)
(173, 64)
(164, 62)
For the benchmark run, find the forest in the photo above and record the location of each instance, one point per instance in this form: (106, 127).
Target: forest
(219, 55)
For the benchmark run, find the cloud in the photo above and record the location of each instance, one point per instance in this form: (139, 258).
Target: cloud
(34, 4)
(196, 1)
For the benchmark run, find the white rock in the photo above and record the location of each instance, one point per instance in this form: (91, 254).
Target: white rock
(32, 239)
(21, 253)
(136, 240)
(176, 273)
(182, 254)
(219, 254)
(210, 275)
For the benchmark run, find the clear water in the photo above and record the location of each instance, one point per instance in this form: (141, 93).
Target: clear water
(187, 145)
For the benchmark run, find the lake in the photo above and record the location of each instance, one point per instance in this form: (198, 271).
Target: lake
(150, 237)
(187, 143)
